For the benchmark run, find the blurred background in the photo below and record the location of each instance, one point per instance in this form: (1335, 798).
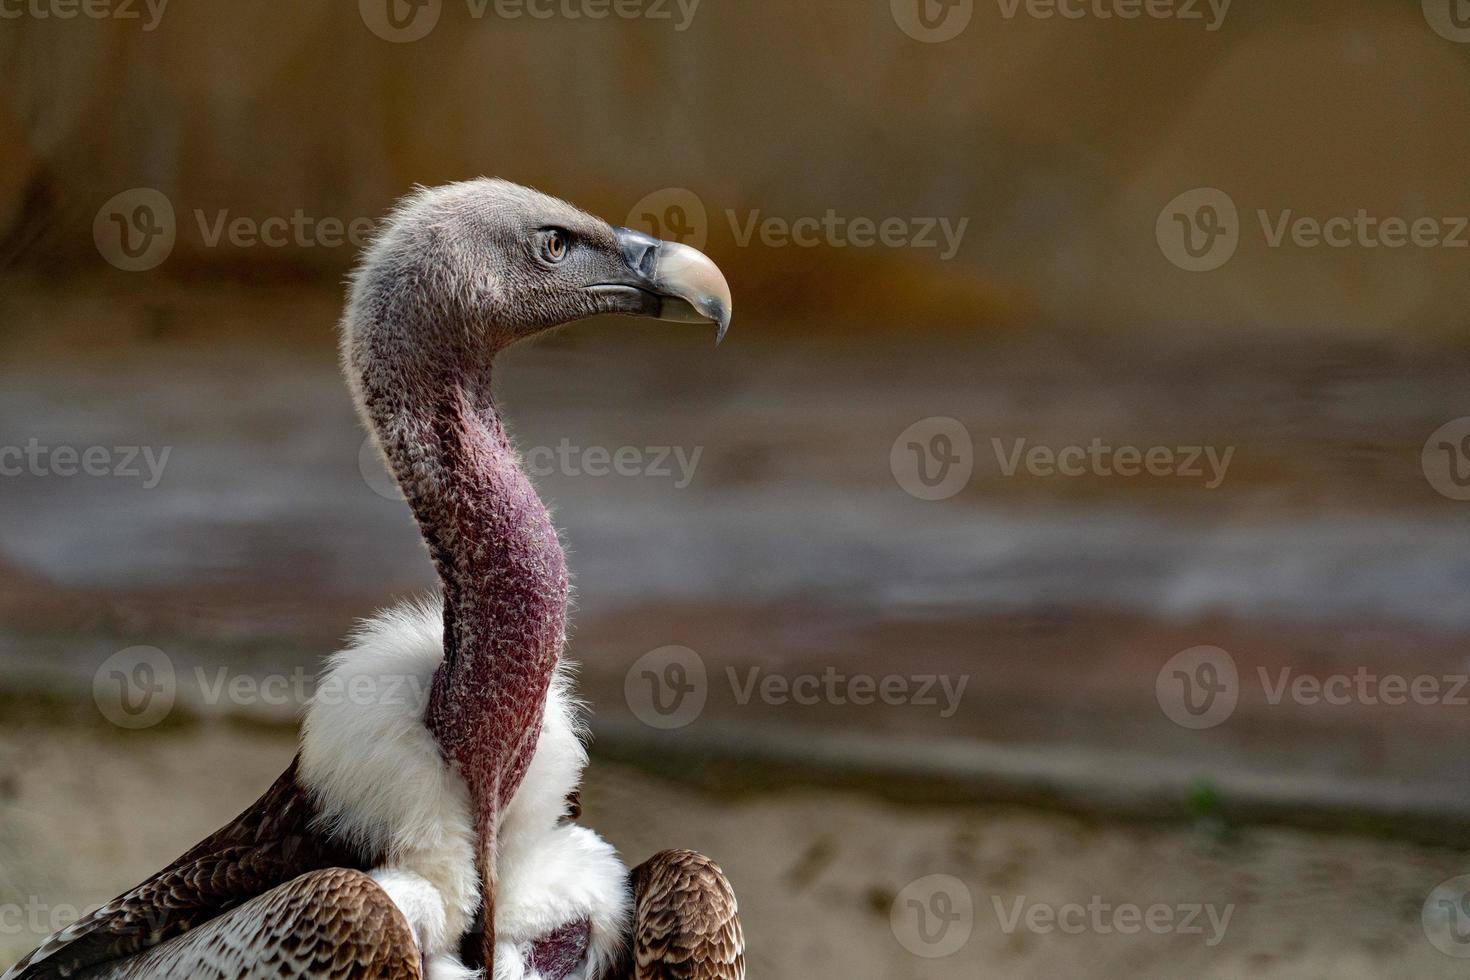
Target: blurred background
(1071, 532)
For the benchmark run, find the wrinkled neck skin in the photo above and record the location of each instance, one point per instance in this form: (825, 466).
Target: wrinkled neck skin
(502, 570)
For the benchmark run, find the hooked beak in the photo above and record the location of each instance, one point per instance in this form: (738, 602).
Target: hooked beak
(668, 281)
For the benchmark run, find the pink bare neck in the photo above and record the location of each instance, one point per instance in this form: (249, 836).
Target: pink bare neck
(504, 578)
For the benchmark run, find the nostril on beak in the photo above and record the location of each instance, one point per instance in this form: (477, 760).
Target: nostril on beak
(640, 251)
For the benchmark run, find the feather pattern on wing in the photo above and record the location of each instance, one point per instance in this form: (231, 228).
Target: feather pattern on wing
(271, 843)
(686, 925)
(334, 924)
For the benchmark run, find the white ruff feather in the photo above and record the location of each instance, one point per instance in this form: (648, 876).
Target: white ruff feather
(382, 784)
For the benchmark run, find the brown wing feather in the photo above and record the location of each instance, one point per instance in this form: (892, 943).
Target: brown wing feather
(325, 925)
(270, 843)
(686, 924)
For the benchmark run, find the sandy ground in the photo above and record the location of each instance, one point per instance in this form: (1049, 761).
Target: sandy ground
(85, 812)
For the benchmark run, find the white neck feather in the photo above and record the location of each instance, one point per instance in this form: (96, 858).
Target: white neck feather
(383, 787)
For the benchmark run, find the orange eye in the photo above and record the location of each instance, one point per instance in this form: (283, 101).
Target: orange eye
(556, 245)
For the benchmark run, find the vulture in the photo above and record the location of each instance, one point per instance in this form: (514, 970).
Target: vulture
(428, 825)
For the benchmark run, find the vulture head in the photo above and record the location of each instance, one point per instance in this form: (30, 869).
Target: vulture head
(462, 271)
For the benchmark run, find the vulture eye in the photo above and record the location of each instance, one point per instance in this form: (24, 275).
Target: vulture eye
(554, 245)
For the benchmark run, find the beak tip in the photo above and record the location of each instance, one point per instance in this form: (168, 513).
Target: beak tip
(722, 324)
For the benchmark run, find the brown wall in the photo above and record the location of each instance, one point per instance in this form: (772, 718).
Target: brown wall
(1060, 140)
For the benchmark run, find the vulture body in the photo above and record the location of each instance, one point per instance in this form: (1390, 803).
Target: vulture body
(427, 826)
